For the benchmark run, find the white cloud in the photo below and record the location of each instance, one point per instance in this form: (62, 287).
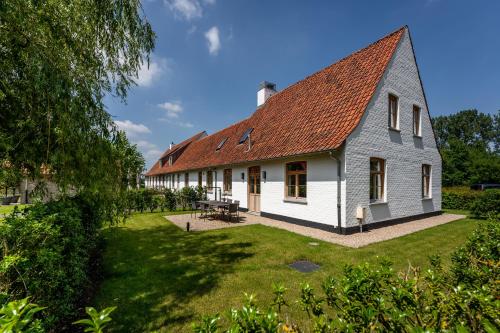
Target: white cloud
(212, 36)
(185, 124)
(188, 9)
(152, 154)
(148, 75)
(173, 109)
(132, 129)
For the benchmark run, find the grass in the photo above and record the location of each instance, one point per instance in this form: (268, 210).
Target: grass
(7, 209)
(163, 278)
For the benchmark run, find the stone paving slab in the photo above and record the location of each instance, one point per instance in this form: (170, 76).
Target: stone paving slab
(354, 240)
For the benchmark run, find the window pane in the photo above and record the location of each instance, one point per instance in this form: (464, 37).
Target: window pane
(296, 166)
(302, 179)
(290, 191)
(302, 191)
(292, 180)
(251, 183)
(257, 187)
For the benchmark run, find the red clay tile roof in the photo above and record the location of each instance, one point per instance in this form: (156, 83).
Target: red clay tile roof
(313, 115)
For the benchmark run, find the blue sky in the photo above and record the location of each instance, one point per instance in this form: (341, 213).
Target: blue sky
(210, 56)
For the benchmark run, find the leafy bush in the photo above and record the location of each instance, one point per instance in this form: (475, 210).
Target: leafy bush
(170, 199)
(369, 298)
(487, 204)
(48, 253)
(98, 320)
(19, 316)
(459, 197)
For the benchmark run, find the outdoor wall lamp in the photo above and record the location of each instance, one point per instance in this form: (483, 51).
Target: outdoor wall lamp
(242, 176)
(264, 175)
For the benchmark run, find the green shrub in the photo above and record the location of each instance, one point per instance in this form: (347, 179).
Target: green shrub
(47, 253)
(20, 316)
(366, 298)
(487, 204)
(459, 197)
(170, 199)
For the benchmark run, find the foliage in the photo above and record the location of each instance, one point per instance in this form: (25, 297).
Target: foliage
(482, 204)
(170, 199)
(201, 193)
(469, 142)
(369, 298)
(58, 61)
(487, 204)
(186, 196)
(47, 253)
(19, 316)
(98, 320)
(461, 197)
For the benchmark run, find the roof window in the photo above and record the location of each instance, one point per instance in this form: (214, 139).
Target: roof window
(221, 144)
(245, 135)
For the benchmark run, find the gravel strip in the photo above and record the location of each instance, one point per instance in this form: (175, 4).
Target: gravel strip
(354, 240)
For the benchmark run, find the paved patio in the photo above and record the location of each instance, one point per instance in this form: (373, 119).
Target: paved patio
(354, 240)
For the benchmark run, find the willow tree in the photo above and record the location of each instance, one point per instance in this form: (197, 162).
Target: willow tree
(58, 60)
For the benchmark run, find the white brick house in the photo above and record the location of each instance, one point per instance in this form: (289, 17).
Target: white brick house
(351, 143)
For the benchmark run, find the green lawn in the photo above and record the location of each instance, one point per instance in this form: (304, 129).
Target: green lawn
(10, 208)
(163, 278)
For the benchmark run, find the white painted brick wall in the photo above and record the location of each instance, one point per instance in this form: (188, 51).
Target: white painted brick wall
(403, 153)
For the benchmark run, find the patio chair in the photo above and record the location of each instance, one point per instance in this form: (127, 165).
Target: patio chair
(233, 210)
(230, 200)
(237, 202)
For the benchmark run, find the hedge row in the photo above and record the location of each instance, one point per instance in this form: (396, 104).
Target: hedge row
(482, 204)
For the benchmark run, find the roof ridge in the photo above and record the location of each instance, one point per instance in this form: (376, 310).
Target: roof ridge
(341, 60)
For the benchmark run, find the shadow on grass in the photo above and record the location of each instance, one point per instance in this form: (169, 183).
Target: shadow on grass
(152, 274)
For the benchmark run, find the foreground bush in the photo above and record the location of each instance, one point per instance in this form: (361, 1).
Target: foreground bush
(47, 254)
(463, 298)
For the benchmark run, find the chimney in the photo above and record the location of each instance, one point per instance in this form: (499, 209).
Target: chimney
(266, 90)
(171, 145)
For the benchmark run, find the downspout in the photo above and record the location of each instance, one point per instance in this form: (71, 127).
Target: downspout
(339, 197)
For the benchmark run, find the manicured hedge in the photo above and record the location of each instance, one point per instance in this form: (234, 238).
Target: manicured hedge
(459, 197)
(487, 205)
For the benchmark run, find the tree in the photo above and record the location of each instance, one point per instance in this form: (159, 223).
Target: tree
(470, 147)
(58, 60)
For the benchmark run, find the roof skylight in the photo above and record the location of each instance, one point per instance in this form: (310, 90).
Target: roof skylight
(245, 135)
(221, 144)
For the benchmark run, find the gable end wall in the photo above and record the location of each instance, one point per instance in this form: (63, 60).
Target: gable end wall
(404, 153)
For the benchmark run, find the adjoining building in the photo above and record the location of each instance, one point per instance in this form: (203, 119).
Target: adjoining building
(352, 142)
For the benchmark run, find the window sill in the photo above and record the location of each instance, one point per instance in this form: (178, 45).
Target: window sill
(296, 200)
(227, 194)
(426, 198)
(394, 129)
(378, 202)
(417, 136)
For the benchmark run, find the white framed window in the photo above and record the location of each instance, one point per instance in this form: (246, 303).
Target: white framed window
(393, 110)
(296, 180)
(377, 180)
(426, 181)
(228, 181)
(417, 120)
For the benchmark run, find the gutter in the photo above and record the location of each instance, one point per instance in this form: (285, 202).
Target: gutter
(334, 155)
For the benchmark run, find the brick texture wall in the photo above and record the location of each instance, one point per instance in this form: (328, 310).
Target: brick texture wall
(404, 153)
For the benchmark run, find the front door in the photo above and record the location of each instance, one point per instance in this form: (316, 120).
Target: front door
(254, 189)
